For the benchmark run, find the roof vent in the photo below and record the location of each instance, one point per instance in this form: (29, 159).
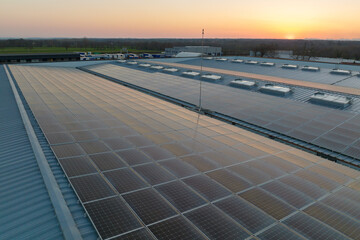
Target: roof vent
(267, 64)
(170, 69)
(221, 59)
(144, 65)
(330, 100)
(251, 62)
(237, 61)
(208, 58)
(340, 71)
(121, 61)
(211, 77)
(132, 63)
(190, 73)
(311, 69)
(290, 66)
(157, 67)
(243, 84)
(275, 90)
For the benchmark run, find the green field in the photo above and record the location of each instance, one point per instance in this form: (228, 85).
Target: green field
(22, 50)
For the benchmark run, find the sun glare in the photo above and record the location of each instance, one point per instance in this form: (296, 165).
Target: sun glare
(290, 36)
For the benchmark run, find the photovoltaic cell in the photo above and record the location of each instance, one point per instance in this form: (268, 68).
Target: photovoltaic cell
(67, 150)
(141, 234)
(111, 217)
(228, 179)
(206, 187)
(175, 228)
(91, 187)
(250, 174)
(77, 166)
(267, 203)
(125, 180)
(139, 141)
(180, 196)
(149, 205)
(94, 147)
(179, 168)
(177, 149)
(335, 219)
(344, 201)
(248, 216)
(58, 138)
(279, 232)
(317, 179)
(200, 163)
(157, 153)
(107, 161)
(133, 157)
(311, 228)
(214, 224)
(303, 186)
(118, 143)
(83, 136)
(287, 194)
(154, 174)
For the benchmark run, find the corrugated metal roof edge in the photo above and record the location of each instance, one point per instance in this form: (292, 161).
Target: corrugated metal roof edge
(76, 225)
(309, 147)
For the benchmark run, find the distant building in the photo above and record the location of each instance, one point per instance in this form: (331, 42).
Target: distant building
(39, 57)
(207, 50)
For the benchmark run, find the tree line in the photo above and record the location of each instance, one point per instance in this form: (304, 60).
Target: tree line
(302, 49)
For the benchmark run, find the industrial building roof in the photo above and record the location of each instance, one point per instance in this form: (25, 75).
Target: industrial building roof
(294, 115)
(144, 167)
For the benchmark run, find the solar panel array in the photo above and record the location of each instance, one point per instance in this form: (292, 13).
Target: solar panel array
(147, 169)
(321, 76)
(326, 127)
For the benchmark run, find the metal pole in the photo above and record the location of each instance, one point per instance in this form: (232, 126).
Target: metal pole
(201, 66)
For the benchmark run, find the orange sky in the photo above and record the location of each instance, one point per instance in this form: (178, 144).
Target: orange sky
(326, 19)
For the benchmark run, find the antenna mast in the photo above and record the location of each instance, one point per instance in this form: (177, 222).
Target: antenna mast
(201, 65)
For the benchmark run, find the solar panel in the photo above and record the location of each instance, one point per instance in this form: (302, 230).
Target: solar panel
(111, 217)
(133, 157)
(153, 173)
(91, 187)
(279, 232)
(149, 205)
(275, 114)
(200, 163)
(229, 180)
(58, 138)
(125, 180)
(338, 221)
(287, 194)
(107, 161)
(138, 234)
(268, 203)
(180, 196)
(245, 214)
(208, 188)
(67, 150)
(77, 166)
(94, 147)
(175, 228)
(145, 168)
(311, 228)
(214, 224)
(118, 143)
(179, 168)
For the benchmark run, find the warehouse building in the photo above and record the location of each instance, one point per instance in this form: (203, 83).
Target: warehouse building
(207, 50)
(119, 150)
(39, 57)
